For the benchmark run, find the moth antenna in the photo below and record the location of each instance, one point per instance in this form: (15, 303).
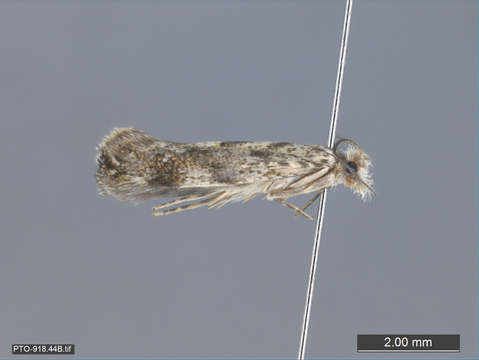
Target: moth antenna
(341, 140)
(369, 187)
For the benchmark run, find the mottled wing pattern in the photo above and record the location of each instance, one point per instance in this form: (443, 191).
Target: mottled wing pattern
(241, 163)
(133, 165)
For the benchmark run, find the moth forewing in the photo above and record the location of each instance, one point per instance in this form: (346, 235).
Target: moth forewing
(134, 166)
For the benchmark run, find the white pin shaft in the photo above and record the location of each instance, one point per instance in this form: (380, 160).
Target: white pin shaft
(322, 198)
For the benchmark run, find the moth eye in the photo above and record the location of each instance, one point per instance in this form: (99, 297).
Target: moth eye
(352, 167)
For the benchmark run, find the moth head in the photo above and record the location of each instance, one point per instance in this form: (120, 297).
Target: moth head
(355, 166)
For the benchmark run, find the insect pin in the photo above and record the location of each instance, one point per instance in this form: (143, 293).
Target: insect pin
(134, 166)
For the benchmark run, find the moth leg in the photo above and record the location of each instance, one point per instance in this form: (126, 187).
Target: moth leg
(220, 201)
(179, 201)
(316, 179)
(189, 206)
(301, 178)
(309, 202)
(291, 206)
(248, 198)
(266, 189)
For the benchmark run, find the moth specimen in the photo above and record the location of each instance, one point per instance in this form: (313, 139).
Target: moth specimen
(134, 166)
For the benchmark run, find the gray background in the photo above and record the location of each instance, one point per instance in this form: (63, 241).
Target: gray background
(109, 277)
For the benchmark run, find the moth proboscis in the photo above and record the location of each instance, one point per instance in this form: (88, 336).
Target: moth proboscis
(134, 166)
